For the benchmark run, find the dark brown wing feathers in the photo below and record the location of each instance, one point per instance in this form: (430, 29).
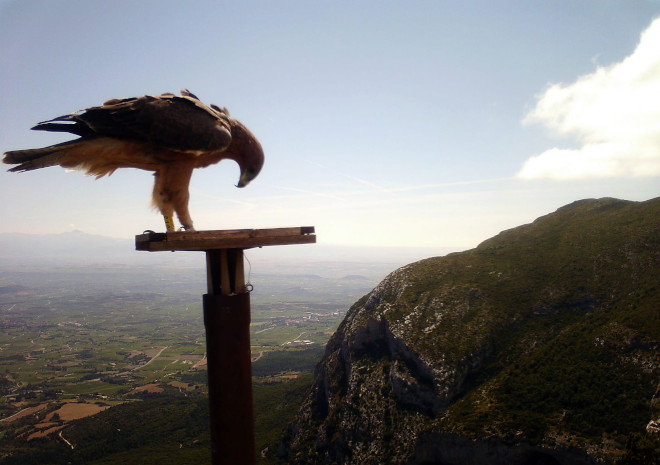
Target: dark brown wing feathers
(178, 123)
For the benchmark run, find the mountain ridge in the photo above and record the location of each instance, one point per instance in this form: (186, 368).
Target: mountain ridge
(517, 350)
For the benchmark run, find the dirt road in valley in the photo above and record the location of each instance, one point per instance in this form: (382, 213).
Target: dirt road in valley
(151, 360)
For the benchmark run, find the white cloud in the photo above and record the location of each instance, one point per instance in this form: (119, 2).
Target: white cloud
(613, 114)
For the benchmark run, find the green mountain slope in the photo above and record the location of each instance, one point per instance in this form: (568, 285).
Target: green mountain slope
(539, 346)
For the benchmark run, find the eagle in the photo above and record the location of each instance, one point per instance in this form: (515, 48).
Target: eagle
(168, 134)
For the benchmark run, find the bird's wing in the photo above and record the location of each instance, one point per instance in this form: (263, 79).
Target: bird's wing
(177, 123)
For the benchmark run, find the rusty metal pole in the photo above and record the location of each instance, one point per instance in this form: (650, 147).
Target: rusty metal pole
(229, 359)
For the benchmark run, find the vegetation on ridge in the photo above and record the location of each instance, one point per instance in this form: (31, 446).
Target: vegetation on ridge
(546, 334)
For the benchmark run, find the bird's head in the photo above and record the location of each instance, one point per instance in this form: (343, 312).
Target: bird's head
(248, 152)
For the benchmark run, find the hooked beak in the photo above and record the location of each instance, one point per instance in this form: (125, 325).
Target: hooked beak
(244, 181)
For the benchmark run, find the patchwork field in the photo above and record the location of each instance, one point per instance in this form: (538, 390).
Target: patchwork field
(77, 342)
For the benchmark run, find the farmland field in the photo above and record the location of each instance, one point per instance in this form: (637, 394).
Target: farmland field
(78, 341)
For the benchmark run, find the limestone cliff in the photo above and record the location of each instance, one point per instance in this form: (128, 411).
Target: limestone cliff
(540, 346)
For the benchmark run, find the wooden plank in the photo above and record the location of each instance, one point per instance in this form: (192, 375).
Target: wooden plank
(225, 281)
(224, 239)
(239, 267)
(183, 236)
(213, 259)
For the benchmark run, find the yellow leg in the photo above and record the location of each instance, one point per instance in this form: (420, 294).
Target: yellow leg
(169, 223)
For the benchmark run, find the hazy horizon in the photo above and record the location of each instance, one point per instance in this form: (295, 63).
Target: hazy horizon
(428, 124)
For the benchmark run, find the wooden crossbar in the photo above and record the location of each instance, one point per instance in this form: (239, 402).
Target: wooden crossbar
(224, 239)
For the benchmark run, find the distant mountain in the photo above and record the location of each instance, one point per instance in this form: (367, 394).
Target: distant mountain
(73, 247)
(540, 346)
(76, 248)
(354, 277)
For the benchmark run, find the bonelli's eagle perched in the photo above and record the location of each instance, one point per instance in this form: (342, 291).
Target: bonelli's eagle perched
(168, 134)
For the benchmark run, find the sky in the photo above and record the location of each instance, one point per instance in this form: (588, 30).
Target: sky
(384, 123)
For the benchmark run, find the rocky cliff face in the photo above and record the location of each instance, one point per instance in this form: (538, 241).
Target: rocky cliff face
(540, 346)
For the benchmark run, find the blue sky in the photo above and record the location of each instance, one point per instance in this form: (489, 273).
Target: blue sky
(401, 124)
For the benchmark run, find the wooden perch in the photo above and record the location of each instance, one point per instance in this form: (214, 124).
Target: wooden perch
(224, 239)
(227, 323)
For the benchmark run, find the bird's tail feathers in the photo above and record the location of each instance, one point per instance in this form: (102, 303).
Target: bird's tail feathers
(32, 159)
